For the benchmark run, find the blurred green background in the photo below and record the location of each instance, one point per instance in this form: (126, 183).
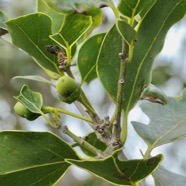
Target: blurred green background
(169, 74)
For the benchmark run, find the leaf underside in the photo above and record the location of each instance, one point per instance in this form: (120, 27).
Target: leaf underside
(164, 177)
(167, 122)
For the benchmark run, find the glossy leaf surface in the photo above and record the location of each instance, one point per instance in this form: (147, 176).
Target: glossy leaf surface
(31, 34)
(32, 158)
(130, 8)
(87, 57)
(108, 64)
(150, 40)
(126, 31)
(32, 100)
(57, 18)
(120, 172)
(73, 28)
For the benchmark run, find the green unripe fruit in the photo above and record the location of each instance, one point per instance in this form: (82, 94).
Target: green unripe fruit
(24, 112)
(68, 89)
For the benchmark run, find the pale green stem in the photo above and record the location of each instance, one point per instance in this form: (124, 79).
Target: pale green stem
(49, 122)
(134, 184)
(119, 102)
(87, 106)
(74, 115)
(113, 117)
(83, 143)
(69, 57)
(114, 9)
(125, 128)
(147, 153)
(131, 48)
(51, 109)
(131, 20)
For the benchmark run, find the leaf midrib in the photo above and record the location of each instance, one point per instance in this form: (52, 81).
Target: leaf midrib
(34, 166)
(48, 59)
(166, 133)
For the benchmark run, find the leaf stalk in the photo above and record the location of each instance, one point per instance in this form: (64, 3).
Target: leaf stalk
(60, 110)
(84, 143)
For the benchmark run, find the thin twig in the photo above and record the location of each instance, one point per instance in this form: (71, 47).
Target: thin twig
(101, 127)
(84, 143)
(118, 112)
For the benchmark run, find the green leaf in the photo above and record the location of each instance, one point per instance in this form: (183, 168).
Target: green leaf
(89, 8)
(74, 49)
(126, 31)
(108, 64)
(31, 34)
(92, 139)
(138, 71)
(87, 57)
(164, 177)
(32, 100)
(155, 26)
(57, 17)
(32, 158)
(3, 29)
(167, 122)
(146, 9)
(119, 172)
(130, 8)
(69, 7)
(97, 18)
(73, 28)
(35, 78)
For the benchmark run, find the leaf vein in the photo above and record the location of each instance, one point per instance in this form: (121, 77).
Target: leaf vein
(143, 60)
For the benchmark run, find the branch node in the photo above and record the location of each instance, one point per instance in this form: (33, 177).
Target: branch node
(121, 81)
(65, 129)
